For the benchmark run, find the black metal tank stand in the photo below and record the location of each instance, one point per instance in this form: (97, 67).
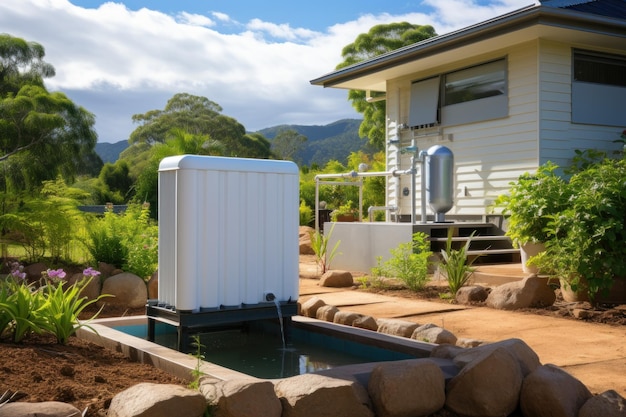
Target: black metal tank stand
(188, 322)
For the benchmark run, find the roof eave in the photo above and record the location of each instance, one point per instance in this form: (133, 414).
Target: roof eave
(516, 20)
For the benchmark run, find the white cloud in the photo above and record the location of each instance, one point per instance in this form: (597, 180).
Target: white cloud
(141, 58)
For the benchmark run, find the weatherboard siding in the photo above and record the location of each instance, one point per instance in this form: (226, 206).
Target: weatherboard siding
(488, 154)
(559, 136)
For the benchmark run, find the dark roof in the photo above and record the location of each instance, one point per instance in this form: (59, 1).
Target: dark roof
(607, 8)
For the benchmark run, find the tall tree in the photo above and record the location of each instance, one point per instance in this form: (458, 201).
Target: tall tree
(288, 143)
(198, 115)
(42, 134)
(378, 40)
(21, 63)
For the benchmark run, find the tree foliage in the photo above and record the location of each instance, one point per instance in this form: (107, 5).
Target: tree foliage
(288, 143)
(42, 134)
(378, 40)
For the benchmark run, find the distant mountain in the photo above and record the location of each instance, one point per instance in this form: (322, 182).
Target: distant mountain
(332, 141)
(110, 152)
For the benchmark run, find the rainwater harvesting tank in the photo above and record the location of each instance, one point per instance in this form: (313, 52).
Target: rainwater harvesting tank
(440, 180)
(228, 232)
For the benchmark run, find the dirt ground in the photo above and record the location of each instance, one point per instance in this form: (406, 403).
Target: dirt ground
(88, 376)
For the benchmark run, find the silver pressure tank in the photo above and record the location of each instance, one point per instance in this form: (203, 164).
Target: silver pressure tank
(440, 180)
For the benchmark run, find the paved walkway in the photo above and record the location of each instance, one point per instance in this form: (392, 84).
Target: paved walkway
(593, 353)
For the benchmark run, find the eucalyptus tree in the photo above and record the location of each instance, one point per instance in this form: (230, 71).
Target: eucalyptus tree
(42, 134)
(288, 143)
(378, 40)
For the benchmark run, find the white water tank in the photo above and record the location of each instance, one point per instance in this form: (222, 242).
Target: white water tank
(228, 231)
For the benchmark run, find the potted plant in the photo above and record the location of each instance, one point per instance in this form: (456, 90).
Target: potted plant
(345, 213)
(531, 200)
(586, 249)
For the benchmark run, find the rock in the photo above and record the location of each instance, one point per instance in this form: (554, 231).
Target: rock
(33, 271)
(532, 291)
(127, 289)
(346, 317)
(471, 294)
(244, 398)
(551, 392)
(337, 279)
(304, 235)
(526, 357)
(466, 342)
(396, 327)
(446, 351)
(91, 290)
(43, 409)
(153, 286)
(106, 270)
(607, 404)
(157, 400)
(472, 393)
(326, 313)
(366, 322)
(327, 396)
(433, 334)
(310, 306)
(407, 388)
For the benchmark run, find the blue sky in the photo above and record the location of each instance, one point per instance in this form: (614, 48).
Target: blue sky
(255, 59)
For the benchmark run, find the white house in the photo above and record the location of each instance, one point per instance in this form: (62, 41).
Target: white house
(505, 95)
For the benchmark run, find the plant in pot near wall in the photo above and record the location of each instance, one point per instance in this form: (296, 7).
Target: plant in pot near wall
(531, 200)
(587, 245)
(345, 213)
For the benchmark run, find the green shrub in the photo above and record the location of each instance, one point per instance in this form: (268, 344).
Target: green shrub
(306, 214)
(409, 262)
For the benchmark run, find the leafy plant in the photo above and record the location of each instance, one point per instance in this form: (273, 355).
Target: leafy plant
(63, 306)
(306, 214)
(196, 373)
(455, 264)
(319, 244)
(24, 307)
(409, 262)
(104, 242)
(586, 246)
(530, 202)
(347, 209)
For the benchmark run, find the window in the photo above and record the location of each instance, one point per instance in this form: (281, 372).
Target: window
(451, 99)
(598, 88)
(481, 81)
(599, 68)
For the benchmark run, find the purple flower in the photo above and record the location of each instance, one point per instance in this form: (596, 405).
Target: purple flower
(56, 273)
(18, 273)
(90, 272)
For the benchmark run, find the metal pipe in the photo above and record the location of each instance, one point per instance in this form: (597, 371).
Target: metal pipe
(422, 157)
(372, 209)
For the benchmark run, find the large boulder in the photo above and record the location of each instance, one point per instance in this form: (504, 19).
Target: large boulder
(157, 400)
(396, 327)
(549, 391)
(532, 291)
(43, 409)
(309, 307)
(304, 234)
(489, 386)
(407, 388)
(127, 289)
(346, 317)
(433, 334)
(242, 398)
(337, 279)
(525, 356)
(607, 404)
(326, 313)
(91, 290)
(323, 396)
(471, 294)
